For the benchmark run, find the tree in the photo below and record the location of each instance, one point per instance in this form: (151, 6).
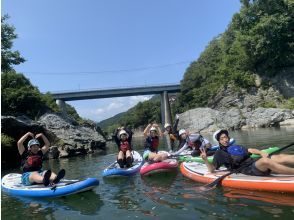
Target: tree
(8, 57)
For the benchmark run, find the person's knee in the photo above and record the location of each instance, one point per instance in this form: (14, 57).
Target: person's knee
(264, 162)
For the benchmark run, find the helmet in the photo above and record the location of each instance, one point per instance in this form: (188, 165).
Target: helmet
(33, 142)
(123, 132)
(195, 137)
(167, 125)
(182, 131)
(153, 129)
(218, 133)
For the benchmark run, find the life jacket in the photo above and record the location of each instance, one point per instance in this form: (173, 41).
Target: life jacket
(33, 162)
(124, 146)
(238, 155)
(152, 143)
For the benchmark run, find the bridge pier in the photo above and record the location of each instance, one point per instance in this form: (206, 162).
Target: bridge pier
(165, 115)
(61, 105)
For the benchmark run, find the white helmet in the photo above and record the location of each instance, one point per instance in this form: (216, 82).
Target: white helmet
(167, 125)
(182, 131)
(153, 129)
(123, 132)
(195, 137)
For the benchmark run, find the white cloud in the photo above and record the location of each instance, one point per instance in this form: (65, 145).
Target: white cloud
(98, 110)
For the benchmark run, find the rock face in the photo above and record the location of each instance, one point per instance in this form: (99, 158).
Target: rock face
(75, 139)
(65, 135)
(208, 120)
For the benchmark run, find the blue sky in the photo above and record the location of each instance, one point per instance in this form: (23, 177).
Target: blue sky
(94, 44)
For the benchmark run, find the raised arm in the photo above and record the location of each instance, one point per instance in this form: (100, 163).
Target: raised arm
(175, 126)
(146, 130)
(20, 146)
(209, 166)
(46, 146)
(158, 129)
(116, 139)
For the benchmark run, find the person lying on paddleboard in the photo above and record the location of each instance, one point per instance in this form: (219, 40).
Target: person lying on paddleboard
(172, 131)
(32, 159)
(193, 142)
(238, 157)
(123, 139)
(152, 133)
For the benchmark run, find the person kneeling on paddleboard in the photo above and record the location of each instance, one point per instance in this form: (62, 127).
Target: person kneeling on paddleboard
(123, 139)
(237, 157)
(152, 133)
(32, 159)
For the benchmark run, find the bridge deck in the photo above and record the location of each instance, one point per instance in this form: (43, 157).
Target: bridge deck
(116, 92)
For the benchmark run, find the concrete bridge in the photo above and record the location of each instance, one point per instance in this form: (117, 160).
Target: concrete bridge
(163, 90)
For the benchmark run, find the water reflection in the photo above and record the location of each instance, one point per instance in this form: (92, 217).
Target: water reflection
(274, 198)
(86, 203)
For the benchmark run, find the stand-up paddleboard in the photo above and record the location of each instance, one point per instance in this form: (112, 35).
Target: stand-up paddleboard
(274, 183)
(157, 167)
(11, 184)
(115, 170)
(188, 158)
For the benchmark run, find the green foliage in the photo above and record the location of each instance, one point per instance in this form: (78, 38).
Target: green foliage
(8, 57)
(140, 115)
(19, 96)
(288, 104)
(269, 104)
(6, 141)
(259, 40)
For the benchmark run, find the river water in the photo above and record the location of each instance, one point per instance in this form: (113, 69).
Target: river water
(169, 196)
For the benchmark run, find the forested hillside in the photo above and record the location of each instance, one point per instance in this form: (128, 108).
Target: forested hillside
(258, 41)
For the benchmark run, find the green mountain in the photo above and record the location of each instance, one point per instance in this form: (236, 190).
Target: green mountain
(257, 42)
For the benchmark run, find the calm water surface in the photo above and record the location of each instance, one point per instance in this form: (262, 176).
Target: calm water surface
(169, 196)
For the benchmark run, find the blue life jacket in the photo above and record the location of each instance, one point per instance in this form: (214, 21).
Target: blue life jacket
(238, 155)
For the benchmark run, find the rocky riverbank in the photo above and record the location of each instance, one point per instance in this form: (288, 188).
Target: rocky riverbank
(209, 120)
(66, 136)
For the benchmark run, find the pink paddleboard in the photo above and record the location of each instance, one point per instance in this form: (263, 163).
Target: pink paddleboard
(158, 167)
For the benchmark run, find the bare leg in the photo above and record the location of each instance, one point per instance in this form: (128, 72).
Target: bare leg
(52, 177)
(160, 157)
(121, 155)
(264, 164)
(128, 153)
(35, 177)
(283, 159)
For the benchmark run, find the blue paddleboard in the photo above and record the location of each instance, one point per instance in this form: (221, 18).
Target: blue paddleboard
(114, 169)
(11, 184)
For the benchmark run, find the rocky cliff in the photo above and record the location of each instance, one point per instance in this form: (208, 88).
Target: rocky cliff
(67, 138)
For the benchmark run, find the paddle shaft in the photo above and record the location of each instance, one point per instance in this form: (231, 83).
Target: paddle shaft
(219, 180)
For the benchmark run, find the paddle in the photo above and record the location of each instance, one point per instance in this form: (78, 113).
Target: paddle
(219, 180)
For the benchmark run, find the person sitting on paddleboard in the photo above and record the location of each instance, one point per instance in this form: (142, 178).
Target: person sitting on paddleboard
(172, 131)
(152, 133)
(193, 142)
(238, 157)
(123, 139)
(32, 159)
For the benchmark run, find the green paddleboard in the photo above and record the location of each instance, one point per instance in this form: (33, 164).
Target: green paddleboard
(210, 158)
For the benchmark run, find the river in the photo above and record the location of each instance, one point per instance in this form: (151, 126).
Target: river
(169, 196)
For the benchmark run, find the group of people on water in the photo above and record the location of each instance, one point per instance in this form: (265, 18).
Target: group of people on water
(228, 154)
(233, 157)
